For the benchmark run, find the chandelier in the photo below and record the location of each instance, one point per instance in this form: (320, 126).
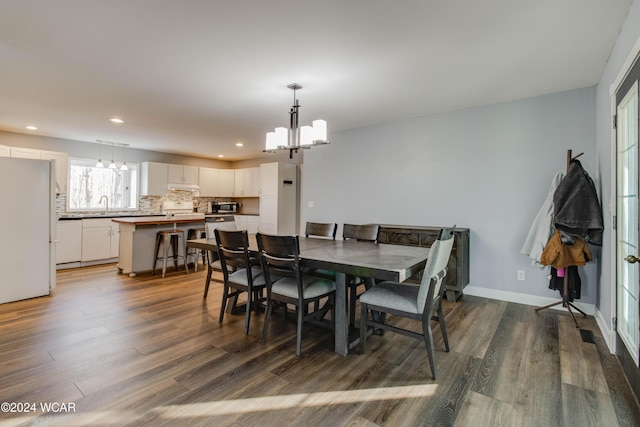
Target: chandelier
(296, 137)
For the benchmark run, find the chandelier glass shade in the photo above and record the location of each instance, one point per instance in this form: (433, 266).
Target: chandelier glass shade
(295, 137)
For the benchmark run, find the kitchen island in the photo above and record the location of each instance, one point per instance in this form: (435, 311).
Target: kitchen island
(138, 238)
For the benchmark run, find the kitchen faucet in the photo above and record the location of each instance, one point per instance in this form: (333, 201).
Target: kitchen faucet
(106, 205)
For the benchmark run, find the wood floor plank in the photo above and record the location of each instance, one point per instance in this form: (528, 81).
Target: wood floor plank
(147, 351)
(623, 401)
(580, 363)
(467, 335)
(584, 407)
(481, 410)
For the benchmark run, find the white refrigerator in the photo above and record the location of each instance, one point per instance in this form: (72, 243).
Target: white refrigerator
(27, 215)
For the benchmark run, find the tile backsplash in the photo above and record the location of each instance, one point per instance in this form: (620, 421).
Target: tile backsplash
(152, 205)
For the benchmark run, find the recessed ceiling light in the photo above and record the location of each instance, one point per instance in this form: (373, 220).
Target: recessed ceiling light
(32, 127)
(220, 155)
(116, 120)
(239, 144)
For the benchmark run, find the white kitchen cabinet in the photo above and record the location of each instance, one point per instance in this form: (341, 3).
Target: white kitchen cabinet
(115, 239)
(5, 151)
(153, 179)
(25, 153)
(227, 183)
(178, 174)
(68, 241)
(250, 223)
(61, 160)
(62, 168)
(209, 182)
(96, 239)
(247, 182)
(278, 214)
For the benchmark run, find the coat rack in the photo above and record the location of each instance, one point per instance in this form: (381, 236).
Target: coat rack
(565, 294)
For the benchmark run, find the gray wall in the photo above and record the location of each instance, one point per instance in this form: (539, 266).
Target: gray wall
(487, 168)
(629, 36)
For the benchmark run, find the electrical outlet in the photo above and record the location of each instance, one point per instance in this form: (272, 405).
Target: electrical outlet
(521, 275)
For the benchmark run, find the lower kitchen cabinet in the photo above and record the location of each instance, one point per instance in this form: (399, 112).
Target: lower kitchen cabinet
(247, 222)
(99, 239)
(458, 266)
(68, 241)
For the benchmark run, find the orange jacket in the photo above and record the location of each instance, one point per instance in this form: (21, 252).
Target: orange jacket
(559, 255)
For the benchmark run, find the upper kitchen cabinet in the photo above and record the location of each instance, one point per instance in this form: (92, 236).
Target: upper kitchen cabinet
(26, 153)
(153, 179)
(247, 182)
(5, 151)
(62, 168)
(179, 174)
(216, 182)
(61, 162)
(209, 182)
(227, 183)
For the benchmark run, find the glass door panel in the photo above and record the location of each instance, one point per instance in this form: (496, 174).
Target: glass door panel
(627, 217)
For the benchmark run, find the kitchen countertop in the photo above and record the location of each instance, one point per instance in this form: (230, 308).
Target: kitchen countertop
(156, 220)
(67, 216)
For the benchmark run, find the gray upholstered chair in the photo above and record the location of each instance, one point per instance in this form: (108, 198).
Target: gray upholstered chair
(241, 272)
(287, 284)
(361, 233)
(213, 261)
(414, 302)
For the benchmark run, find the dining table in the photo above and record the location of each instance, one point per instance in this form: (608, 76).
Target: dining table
(371, 261)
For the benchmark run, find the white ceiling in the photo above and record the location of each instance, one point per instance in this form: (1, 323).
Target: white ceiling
(196, 76)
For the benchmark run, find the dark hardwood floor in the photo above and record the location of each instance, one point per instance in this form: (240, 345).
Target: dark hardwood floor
(107, 349)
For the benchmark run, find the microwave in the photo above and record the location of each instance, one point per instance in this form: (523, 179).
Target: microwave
(224, 207)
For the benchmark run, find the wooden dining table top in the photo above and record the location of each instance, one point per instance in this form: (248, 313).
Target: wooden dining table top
(364, 259)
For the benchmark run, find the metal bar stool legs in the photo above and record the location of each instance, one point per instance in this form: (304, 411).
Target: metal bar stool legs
(170, 238)
(195, 254)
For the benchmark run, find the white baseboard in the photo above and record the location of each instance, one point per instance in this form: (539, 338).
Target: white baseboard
(519, 298)
(608, 334)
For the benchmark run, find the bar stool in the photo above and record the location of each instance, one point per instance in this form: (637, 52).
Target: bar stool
(169, 238)
(196, 233)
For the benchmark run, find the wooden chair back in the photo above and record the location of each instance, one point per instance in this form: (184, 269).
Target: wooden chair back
(233, 250)
(279, 256)
(362, 233)
(319, 229)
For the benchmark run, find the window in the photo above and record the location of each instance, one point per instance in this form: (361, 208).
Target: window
(87, 184)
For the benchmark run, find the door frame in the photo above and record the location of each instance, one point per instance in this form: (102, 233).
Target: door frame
(634, 54)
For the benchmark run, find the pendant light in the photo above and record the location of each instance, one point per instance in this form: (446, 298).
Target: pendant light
(112, 165)
(99, 163)
(296, 137)
(124, 166)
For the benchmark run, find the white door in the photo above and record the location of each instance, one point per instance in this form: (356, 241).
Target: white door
(627, 245)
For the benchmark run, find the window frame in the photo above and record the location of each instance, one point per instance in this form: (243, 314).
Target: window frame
(133, 177)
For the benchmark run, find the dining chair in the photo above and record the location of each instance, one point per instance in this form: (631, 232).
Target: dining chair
(241, 272)
(213, 260)
(361, 233)
(320, 229)
(411, 301)
(287, 284)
